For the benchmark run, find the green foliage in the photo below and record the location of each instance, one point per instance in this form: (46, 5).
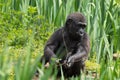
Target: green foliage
(92, 66)
(18, 27)
(23, 36)
(25, 25)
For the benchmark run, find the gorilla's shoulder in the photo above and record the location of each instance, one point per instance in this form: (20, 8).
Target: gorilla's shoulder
(59, 31)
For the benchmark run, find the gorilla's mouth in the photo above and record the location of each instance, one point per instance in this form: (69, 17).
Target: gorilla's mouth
(80, 33)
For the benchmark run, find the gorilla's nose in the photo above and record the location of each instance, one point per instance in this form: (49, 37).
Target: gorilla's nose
(81, 33)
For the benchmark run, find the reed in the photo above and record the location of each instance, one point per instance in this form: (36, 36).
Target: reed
(103, 19)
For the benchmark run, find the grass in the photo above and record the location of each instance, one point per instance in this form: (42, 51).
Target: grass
(25, 26)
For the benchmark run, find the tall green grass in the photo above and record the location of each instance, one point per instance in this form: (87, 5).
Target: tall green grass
(103, 19)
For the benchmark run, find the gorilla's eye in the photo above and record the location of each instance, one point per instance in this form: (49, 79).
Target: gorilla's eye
(81, 26)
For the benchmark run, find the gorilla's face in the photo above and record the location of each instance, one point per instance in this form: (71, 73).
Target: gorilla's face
(79, 28)
(75, 29)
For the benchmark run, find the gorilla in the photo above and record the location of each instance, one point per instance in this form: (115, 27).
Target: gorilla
(71, 44)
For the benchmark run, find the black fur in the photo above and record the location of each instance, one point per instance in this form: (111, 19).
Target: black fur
(71, 44)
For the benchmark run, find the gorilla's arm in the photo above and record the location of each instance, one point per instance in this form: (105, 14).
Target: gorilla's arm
(52, 45)
(81, 53)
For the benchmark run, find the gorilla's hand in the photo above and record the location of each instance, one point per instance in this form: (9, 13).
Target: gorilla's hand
(70, 61)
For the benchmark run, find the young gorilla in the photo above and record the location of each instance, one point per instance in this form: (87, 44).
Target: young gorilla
(71, 44)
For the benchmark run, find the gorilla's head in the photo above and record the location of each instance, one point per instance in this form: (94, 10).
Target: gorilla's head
(75, 25)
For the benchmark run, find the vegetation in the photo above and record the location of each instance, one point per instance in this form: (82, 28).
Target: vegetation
(25, 25)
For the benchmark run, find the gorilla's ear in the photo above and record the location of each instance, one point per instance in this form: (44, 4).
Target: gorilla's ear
(69, 22)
